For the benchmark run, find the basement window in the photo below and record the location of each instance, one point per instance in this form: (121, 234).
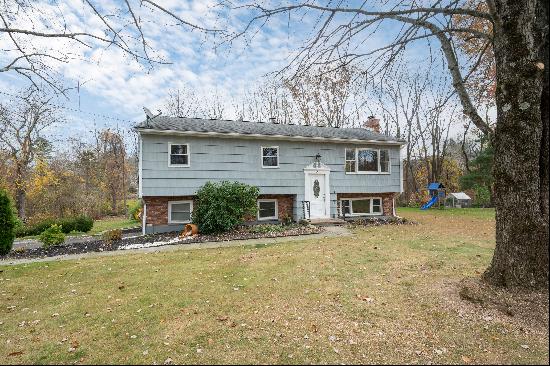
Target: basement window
(361, 206)
(267, 209)
(179, 212)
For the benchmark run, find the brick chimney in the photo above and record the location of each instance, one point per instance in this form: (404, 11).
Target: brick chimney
(372, 123)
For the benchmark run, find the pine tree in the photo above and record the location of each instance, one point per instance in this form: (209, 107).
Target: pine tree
(7, 223)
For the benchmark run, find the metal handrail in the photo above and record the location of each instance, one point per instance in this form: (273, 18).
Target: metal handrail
(306, 205)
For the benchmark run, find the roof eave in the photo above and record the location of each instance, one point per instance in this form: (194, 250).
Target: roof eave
(153, 131)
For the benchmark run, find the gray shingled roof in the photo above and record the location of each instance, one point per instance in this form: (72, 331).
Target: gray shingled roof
(260, 128)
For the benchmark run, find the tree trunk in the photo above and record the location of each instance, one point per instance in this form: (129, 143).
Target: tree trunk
(521, 145)
(21, 203)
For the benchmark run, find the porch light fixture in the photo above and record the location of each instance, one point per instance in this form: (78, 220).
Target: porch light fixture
(317, 162)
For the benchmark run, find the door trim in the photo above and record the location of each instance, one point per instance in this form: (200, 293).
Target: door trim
(317, 168)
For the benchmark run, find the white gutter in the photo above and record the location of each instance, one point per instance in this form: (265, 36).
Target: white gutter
(143, 218)
(401, 176)
(140, 167)
(269, 137)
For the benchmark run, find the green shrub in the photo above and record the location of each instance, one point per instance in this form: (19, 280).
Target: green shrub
(134, 209)
(220, 207)
(112, 235)
(80, 223)
(52, 236)
(7, 223)
(83, 223)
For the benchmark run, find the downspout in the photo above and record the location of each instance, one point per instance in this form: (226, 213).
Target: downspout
(144, 218)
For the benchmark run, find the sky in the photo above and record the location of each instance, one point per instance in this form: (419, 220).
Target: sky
(109, 88)
(113, 88)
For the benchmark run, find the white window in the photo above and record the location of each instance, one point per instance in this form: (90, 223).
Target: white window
(367, 161)
(361, 206)
(267, 209)
(178, 155)
(270, 156)
(179, 212)
(350, 160)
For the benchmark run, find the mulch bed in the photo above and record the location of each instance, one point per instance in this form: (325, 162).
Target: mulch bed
(378, 221)
(100, 245)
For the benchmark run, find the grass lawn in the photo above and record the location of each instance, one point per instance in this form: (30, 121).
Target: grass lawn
(386, 295)
(101, 225)
(110, 223)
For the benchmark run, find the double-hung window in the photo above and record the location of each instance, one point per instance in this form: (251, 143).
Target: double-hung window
(179, 212)
(350, 160)
(270, 156)
(178, 155)
(367, 161)
(361, 206)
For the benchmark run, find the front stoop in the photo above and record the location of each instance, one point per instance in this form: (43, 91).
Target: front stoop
(327, 222)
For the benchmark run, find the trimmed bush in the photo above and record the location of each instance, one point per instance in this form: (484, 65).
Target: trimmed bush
(52, 236)
(80, 223)
(112, 235)
(7, 223)
(220, 207)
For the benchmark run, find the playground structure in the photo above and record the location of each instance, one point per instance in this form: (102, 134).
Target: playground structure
(437, 196)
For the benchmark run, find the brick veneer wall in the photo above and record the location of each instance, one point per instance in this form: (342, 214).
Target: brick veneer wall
(387, 199)
(157, 207)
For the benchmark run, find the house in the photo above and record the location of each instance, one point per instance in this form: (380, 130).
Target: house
(303, 172)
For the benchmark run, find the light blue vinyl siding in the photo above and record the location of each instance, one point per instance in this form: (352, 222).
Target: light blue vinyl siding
(218, 159)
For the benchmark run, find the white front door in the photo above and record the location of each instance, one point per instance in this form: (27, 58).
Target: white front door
(317, 196)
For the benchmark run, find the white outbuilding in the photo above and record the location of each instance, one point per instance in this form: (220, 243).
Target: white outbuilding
(459, 200)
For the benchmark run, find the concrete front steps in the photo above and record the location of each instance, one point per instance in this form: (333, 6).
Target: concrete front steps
(327, 222)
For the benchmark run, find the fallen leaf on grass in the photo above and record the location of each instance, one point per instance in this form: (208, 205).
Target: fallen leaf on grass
(16, 353)
(365, 298)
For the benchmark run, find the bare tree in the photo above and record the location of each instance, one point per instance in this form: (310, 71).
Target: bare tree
(323, 95)
(113, 162)
(183, 103)
(32, 28)
(399, 99)
(519, 41)
(22, 125)
(270, 99)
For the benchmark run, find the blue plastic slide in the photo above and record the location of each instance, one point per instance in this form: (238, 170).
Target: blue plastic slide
(429, 204)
